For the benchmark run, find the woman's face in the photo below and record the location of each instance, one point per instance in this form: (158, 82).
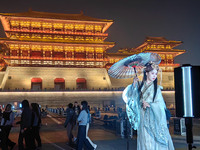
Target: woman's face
(81, 107)
(152, 75)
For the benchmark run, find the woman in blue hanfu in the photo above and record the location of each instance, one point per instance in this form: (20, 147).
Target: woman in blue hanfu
(145, 108)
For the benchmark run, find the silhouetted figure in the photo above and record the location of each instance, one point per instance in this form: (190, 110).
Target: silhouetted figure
(69, 122)
(1, 114)
(77, 112)
(36, 124)
(26, 127)
(76, 109)
(7, 122)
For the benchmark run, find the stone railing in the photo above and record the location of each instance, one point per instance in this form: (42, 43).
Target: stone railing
(61, 90)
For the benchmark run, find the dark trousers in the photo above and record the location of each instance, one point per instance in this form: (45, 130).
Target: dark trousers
(82, 141)
(36, 135)
(69, 133)
(20, 141)
(5, 140)
(29, 140)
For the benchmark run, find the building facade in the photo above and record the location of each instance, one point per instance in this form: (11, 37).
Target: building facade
(50, 51)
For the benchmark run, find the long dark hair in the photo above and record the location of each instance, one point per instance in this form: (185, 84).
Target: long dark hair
(147, 70)
(84, 106)
(8, 107)
(25, 104)
(35, 109)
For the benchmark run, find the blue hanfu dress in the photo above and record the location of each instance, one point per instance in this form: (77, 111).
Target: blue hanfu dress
(150, 123)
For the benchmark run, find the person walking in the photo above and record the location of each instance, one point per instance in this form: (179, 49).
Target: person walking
(87, 128)
(7, 123)
(82, 120)
(36, 124)
(77, 110)
(26, 127)
(69, 123)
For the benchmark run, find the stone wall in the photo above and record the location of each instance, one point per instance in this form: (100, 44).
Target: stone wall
(20, 77)
(168, 80)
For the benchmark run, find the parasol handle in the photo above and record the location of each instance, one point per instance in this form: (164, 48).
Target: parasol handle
(136, 75)
(135, 71)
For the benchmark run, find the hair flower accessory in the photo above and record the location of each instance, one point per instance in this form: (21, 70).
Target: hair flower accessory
(152, 65)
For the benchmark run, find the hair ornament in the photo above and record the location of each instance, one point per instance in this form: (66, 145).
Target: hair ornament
(152, 65)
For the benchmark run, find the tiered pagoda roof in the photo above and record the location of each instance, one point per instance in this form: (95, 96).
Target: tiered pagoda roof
(74, 39)
(47, 15)
(158, 41)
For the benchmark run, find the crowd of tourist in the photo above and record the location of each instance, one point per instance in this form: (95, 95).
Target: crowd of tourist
(29, 122)
(77, 123)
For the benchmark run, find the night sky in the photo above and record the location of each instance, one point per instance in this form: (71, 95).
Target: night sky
(134, 20)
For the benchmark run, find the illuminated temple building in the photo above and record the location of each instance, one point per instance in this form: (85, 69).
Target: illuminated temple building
(54, 51)
(159, 45)
(51, 51)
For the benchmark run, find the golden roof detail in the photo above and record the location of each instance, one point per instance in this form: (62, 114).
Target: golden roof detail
(37, 14)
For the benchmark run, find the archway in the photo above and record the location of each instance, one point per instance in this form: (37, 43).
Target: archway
(59, 84)
(81, 83)
(36, 84)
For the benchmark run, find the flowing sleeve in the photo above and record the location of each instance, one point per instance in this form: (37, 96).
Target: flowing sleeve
(131, 98)
(155, 119)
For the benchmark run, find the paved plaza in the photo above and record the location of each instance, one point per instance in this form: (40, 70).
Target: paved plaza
(53, 135)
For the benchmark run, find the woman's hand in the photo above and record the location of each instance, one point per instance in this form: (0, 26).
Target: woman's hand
(135, 80)
(145, 104)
